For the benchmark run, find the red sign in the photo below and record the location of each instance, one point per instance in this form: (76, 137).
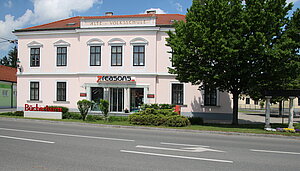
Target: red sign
(37, 108)
(150, 96)
(116, 78)
(82, 94)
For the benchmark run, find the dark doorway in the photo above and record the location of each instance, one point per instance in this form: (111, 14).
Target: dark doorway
(136, 98)
(116, 99)
(96, 95)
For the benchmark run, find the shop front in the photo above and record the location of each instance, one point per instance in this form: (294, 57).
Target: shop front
(122, 92)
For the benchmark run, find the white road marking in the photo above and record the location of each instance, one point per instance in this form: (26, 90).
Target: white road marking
(68, 135)
(187, 145)
(27, 139)
(279, 152)
(174, 156)
(194, 149)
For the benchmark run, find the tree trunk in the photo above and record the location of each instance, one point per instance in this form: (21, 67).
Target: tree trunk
(280, 108)
(235, 114)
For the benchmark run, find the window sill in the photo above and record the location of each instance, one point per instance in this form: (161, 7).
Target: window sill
(34, 101)
(61, 102)
(210, 106)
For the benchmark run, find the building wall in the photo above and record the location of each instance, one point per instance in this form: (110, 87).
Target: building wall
(8, 95)
(80, 76)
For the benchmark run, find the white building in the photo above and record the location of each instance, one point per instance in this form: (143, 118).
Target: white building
(123, 59)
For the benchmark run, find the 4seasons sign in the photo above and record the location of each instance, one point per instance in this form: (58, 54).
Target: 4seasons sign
(115, 78)
(37, 108)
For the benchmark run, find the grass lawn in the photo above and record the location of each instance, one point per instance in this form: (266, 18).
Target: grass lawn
(243, 128)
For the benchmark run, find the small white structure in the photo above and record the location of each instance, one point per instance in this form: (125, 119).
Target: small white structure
(43, 114)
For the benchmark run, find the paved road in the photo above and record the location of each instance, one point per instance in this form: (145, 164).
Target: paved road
(29, 145)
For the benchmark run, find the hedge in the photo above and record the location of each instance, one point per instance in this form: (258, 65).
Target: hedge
(163, 117)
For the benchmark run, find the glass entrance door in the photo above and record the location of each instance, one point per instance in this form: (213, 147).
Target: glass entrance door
(136, 98)
(96, 95)
(116, 99)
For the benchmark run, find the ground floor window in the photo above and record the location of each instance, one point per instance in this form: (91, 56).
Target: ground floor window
(61, 91)
(136, 99)
(96, 95)
(34, 91)
(177, 94)
(210, 96)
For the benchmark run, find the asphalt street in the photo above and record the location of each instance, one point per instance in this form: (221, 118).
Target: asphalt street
(29, 145)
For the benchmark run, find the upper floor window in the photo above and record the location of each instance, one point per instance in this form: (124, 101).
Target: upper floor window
(61, 91)
(138, 55)
(34, 57)
(116, 56)
(34, 91)
(210, 96)
(61, 52)
(95, 55)
(61, 59)
(177, 94)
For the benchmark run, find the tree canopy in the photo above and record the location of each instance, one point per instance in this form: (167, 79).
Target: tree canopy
(12, 58)
(237, 46)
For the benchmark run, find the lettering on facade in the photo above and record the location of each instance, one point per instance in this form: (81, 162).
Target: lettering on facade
(124, 22)
(37, 108)
(115, 78)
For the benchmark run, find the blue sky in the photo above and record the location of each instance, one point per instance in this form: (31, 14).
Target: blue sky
(16, 14)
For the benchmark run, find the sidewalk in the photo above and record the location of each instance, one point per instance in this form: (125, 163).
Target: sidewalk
(7, 110)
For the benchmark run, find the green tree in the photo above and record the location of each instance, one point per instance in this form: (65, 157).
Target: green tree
(12, 58)
(104, 107)
(234, 46)
(84, 106)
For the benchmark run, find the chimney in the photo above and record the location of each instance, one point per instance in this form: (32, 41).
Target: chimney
(151, 12)
(109, 14)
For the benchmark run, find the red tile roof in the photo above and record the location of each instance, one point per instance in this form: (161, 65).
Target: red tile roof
(74, 22)
(8, 74)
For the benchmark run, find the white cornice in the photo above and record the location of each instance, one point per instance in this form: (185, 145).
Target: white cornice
(91, 74)
(52, 32)
(117, 29)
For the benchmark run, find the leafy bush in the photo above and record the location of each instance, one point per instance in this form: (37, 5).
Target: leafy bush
(157, 106)
(117, 118)
(19, 113)
(104, 107)
(93, 118)
(196, 120)
(151, 116)
(72, 115)
(177, 121)
(64, 109)
(7, 113)
(84, 106)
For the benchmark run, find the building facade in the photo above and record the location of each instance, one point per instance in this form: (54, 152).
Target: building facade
(123, 59)
(8, 87)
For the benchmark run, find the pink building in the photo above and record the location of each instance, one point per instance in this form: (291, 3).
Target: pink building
(123, 59)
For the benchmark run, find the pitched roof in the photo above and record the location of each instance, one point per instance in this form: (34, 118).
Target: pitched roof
(8, 73)
(74, 22)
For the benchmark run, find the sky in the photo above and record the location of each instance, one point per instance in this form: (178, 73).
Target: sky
(17, 14)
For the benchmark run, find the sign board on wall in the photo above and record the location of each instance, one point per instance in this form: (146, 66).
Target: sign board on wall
(42, 112)
(115, 79)
(118, 22)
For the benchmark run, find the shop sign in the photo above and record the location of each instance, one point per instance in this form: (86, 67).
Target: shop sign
(150, 96)
(118, 22)
(82, 94)
(115, 78)
(37, 108)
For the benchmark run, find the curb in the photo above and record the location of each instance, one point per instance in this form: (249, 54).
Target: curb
(154, 128)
